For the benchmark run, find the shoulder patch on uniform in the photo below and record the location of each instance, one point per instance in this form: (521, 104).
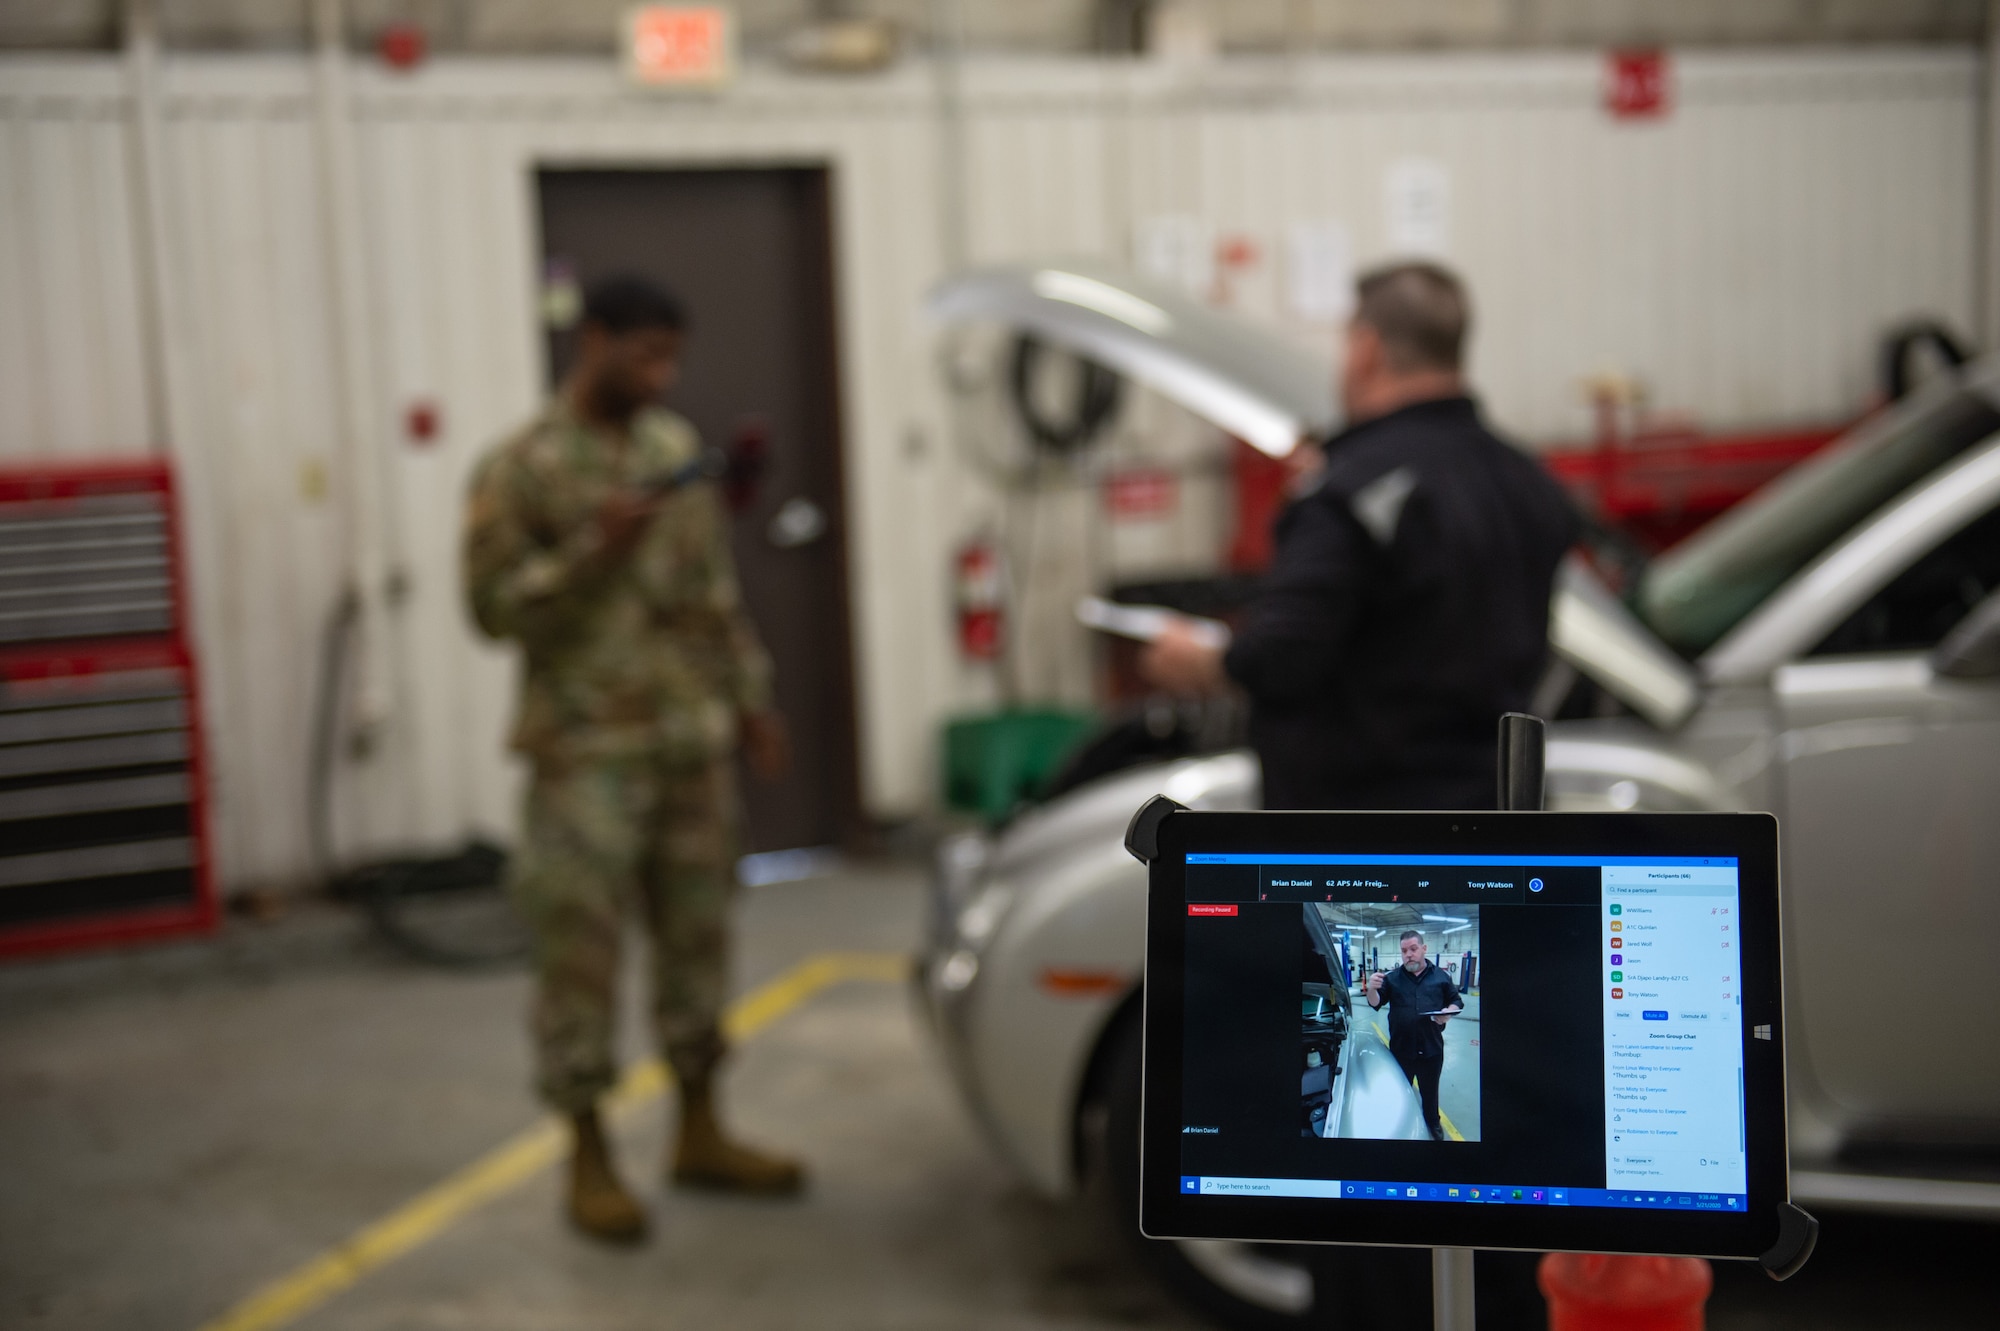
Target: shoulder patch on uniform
(668, 436)
(1378, 505)
(541, 446)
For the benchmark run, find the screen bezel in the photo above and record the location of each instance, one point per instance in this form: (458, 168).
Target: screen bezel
(1751, 837)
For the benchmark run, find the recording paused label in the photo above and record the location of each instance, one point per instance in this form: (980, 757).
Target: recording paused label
(1211, 908)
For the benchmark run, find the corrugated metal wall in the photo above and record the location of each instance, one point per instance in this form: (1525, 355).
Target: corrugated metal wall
(1740, 256)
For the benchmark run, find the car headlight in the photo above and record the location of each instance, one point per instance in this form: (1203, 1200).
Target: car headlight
(960, 861)
(981, 918)
(958, 972)
(959, 864)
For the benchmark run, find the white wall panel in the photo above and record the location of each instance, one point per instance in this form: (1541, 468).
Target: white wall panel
(69, 362)
(1740, 257)
(257, 439)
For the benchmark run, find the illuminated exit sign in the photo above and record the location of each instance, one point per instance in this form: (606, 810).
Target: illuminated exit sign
(680, 46)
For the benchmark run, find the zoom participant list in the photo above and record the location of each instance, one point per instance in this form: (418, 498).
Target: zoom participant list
(1673, 1038)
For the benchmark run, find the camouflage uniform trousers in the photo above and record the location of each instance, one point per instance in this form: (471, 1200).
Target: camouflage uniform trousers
(606, 839)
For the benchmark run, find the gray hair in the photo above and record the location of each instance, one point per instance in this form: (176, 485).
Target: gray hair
(1408, 934)
(1419, 310)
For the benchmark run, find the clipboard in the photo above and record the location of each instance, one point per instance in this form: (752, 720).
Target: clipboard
(1145, 623)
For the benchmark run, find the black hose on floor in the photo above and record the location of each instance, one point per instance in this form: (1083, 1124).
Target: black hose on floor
(334, 640)
(448, 910)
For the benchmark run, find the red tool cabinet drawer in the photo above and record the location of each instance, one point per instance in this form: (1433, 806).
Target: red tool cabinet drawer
(103, 828)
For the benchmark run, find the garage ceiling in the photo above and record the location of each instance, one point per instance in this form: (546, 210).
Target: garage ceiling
(1051, 26)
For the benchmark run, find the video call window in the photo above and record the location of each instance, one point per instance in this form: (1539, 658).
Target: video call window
(1389, 1014)
(1552, 1030)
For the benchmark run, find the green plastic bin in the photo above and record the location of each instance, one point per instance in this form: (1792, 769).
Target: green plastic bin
(994, 761)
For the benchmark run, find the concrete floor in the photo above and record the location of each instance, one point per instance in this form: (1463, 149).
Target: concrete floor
(182, 1125)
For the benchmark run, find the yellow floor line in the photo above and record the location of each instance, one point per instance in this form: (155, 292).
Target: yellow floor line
(1443, 1117)
(429, 1213)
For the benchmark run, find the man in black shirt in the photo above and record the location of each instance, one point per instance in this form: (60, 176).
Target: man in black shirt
(1421, 999)
(1407, 605)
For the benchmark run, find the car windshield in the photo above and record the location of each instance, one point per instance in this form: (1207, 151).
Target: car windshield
(1701, 589)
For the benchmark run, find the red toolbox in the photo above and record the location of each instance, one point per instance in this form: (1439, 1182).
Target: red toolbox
(103, 822)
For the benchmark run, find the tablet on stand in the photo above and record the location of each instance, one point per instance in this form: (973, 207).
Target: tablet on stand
(1614, 1079)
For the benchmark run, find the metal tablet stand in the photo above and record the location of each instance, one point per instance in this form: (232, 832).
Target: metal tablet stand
(1523, 752)
(1523, 755)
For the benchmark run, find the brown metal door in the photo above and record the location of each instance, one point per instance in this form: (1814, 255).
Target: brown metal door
(750, 254)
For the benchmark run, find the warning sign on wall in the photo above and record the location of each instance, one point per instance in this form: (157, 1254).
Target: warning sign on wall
(1416, 196)
(1140, 493)
(680, 46)
(1638, 85)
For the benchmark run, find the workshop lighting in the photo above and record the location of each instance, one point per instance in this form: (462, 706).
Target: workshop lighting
(1448, 919)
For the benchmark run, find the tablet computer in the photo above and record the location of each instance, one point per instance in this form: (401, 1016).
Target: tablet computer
(1494, 1030)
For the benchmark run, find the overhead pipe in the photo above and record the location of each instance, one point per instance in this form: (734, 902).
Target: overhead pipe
(357, 473)
(146, 158)
(948, 69)
(1986, 174)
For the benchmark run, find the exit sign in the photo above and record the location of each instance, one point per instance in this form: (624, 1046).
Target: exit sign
(680, 46)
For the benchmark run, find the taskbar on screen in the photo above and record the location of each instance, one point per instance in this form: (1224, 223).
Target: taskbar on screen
(1381, 1190)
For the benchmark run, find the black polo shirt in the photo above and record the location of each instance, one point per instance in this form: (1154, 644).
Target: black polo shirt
(1408, 997)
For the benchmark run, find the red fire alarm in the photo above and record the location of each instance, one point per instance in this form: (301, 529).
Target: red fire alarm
(1637, 84)
(401, 45)
(422, 423)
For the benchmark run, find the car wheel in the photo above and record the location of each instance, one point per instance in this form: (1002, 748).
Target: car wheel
(1249, 1285)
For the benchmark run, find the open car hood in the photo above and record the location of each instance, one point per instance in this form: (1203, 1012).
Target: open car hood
(1270, 392)
(1592, 630)
(1234, 374)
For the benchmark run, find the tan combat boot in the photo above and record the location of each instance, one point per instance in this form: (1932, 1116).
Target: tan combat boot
(598, 1202)
(705, 1158)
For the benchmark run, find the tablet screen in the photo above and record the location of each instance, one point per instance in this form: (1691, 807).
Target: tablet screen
(1396, 1023)
(1502, 1028)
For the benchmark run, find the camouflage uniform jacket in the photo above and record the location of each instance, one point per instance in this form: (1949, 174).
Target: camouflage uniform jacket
(650, 651)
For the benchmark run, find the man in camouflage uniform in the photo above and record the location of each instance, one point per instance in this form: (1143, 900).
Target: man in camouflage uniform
(588, 541)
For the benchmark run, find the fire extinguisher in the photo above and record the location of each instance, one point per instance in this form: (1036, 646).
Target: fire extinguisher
(981, 609)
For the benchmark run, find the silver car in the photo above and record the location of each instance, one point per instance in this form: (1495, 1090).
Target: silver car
(1829, 650)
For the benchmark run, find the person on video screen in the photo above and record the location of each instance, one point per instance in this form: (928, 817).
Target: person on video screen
(1421, 999)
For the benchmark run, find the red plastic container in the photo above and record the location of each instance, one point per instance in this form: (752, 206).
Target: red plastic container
(1602, 1292)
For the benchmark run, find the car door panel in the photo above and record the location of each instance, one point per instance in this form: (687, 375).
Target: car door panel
(1891, 842)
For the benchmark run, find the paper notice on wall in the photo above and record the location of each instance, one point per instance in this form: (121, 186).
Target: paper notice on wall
(1319, 271)
(1416, 194)
(1176, 249)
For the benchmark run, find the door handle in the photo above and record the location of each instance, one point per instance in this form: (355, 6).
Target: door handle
(798, 522)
